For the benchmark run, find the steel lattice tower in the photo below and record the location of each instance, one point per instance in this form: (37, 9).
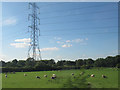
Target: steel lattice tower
(35, 32)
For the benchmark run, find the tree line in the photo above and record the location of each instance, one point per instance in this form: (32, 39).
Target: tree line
(46, 65)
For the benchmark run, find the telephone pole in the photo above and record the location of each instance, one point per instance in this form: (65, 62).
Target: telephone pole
(34, 50)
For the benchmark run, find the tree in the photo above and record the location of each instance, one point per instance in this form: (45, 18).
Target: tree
(9, 64)
(79, 62)
(21, 63)
(61, 63)
(110, 61)
(14, 62)
(70, 63)
(41, 66)
(117, 59)
(30, 64)
(100, 62)
(30, 59)
(2, 63)
(89, 62)
(51, 62)
(118, 65)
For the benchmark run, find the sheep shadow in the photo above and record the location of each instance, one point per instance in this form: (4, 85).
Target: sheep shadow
(77, 82)
(56, 80)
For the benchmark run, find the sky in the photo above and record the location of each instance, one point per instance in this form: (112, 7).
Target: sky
(69, 30)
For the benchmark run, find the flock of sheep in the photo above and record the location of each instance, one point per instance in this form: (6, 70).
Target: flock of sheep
(103, 76)
(54, 75)
(92, 75)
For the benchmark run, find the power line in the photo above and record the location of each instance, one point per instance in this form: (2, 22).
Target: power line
(82, 34)
(63, 10)
(17, 34)
(71, 29)
(80, 14)
(50, 5)
(74, 29)
(110, 18)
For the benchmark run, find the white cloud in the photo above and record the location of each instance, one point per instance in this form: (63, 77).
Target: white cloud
(9, 21)
(59, 42)
(49, 49)
(66, 45)
(68, 41)
(23, 40)
(86, 38)
(83, 55)
(20, 45)
(57, 38)
(78, 40)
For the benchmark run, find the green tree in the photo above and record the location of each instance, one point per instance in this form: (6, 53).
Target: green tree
(9, 64)
(51, 62)
(2, 63)
(89, 62)
(100, 62)
(21, 63)
(14, 62)
(79, 62)
(41, 66)
(61, 63)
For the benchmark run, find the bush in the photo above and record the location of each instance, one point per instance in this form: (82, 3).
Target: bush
(118, 65)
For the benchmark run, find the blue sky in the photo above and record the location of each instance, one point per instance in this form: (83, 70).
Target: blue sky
(68, 30)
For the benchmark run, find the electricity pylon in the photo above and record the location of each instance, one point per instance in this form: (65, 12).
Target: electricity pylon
(34, 50)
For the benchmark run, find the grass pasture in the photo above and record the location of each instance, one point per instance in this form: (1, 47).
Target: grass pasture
(64, 79)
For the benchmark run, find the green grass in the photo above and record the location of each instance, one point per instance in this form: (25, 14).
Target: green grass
(64, 79)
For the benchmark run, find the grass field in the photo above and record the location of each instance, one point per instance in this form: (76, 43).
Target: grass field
(64, 79)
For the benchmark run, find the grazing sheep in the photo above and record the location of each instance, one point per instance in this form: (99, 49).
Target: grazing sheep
(38, 77)
(6, 75)
(92, 75)
(72, 74)
(103, 76)
(45, 75)
(88, 83)
(25, 74)
(54, 75)
(81, 73)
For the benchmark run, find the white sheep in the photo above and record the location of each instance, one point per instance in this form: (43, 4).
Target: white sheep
(25, 74)
(103, 76)
(45, 75)
(92, 75)
(38, 77)
(72, 74)
(81, 73)
(54, 75)
(6, 75)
